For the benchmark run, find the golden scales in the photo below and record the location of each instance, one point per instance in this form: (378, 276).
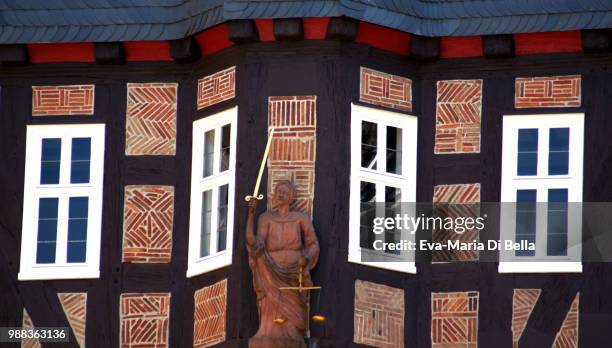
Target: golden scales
(317, 317)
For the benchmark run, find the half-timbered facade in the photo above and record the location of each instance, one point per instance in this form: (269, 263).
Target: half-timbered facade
(131, 132)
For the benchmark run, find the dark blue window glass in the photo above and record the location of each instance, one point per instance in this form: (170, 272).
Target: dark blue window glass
(557, 223)
(80, 160)
(525, 219)
(527, 162)
(47, 230)
(45, 252)
(558, 155)
(50, 161)
(78, 208)
(77, 251)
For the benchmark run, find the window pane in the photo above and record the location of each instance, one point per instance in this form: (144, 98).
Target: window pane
(45, 252)
(558, 155)
(557, 223)
(77, 229)
(78, 208)
(392, 208)
(368, 144)
(559, 139)
(47, 230)
(77, 251)
(209, 151)
(525, 219)
(527, 162)
(206, 221)
(80, 160)
(50, 161)
(367, 214)
(225, 147)
(392, 195)
(222, 219)
(394, 150)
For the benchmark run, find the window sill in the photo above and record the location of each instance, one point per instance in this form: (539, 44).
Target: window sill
(58, 272)
(209, 263)
(404, 267)
(540, 267)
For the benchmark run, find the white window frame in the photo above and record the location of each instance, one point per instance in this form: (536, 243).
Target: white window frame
(406, 181)
(33, 191)
(196, 264)
(511, 182)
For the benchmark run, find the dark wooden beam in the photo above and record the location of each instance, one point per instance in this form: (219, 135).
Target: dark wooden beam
(109, 52)
(242, 31)
(498, 46)
(342, 28)
(288, 29)
(595, 41)
(424, 48)
(14, 55)
(185, 50)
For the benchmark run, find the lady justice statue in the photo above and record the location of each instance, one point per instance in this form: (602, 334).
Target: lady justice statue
(281, 255)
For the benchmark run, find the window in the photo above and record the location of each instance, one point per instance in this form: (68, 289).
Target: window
(212, 192)
(542, 174)
(383, 170)
(62, 206)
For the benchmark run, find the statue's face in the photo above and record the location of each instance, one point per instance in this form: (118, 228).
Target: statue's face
(283, 194)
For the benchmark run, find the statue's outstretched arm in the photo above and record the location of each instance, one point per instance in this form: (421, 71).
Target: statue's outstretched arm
(256, 242)
(250, 234)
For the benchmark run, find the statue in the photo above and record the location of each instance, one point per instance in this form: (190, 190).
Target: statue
(281, 255)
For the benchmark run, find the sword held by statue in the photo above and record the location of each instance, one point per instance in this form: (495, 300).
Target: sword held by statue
(256, 195)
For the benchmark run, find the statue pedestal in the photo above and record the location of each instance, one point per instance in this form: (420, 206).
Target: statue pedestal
(273, 342)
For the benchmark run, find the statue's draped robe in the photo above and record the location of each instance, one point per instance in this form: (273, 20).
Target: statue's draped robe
(292, 234)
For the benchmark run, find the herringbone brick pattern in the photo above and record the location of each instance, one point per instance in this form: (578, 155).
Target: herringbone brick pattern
(523, 302)
(386, 90)
(62, 100)
(463, 202)
(27, 324)
(147, 223)
(210, 315)
(454, 320)
(458, 112)
(218, 87)
(379, 315)
(151, 119)
(144, 320)
(567, 337)
(547, 92)
(75, 308)
(461, 193)
(293, 149)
